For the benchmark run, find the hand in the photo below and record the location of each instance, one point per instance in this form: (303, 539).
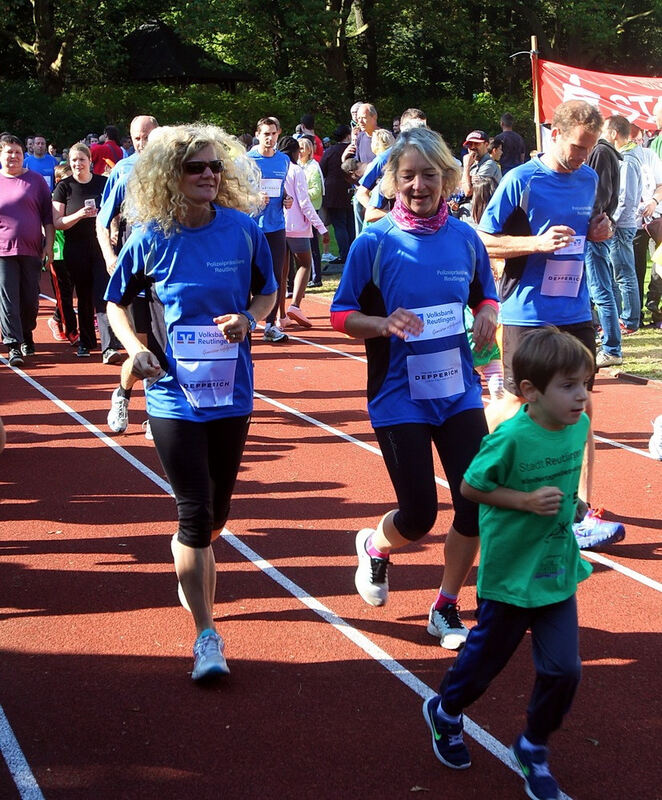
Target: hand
(287, 201)
(144, 364)
(485, 325)
(545, 501)
(47, 256)
(87, 211)
(401, 323)
(649, 208)
(325, 238)
(469, 159)
(234, 327)
(110, 266)
(264, 199)
(554, 238)
(600, 228)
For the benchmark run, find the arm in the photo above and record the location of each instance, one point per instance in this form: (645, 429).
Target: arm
(501, 245)
(65, 221)
(301, 191)
(235, 327)
(545, 501)
(103, 237)
(467, 162)
(400, 323)
(144, 364)
(49, 239)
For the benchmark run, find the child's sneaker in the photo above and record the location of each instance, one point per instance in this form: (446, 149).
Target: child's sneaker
(209, 660)
(447, 737)
(593, 531)
(445, 623)
(371, 578)
(538, 780)
(655, 443)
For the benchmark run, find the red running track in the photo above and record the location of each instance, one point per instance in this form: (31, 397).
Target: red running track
(325, 692)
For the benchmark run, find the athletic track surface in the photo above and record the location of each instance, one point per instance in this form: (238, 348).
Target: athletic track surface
(324, 699)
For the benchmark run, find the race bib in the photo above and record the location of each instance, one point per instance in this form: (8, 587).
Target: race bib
(201, 342)
(575, 247)
(435, 375)
(562, 278)
(439, 321)
(271, 186)
(207, 384)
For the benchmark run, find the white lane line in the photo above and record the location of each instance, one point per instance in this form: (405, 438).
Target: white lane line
(486, 740)
(630, 573)
(333, 431)
(627, 447)
(28, 788)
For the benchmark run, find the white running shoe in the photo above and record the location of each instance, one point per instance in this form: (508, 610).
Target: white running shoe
(655, 443)
(148, 431)
(446, 624)
(118, 416)
(371, 578)
(180, 591)
(208, 658)
(274, 334)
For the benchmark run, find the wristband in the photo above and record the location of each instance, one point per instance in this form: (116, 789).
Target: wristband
(251, 320)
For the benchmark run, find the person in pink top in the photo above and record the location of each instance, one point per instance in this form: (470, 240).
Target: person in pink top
(26, 241)
(299, 220)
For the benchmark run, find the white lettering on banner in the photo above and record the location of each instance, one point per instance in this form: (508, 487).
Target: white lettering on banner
(271, 186)
(576, 246)
(562, 278)
(435, 375)
(194, 342)
(573, 90)
(439, 321)
(207, 384)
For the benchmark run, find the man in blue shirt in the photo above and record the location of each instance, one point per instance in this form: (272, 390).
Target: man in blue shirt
(40, 161)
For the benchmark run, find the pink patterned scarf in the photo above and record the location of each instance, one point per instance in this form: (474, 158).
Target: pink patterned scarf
(408, 221)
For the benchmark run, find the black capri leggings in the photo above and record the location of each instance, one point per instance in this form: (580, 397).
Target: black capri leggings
(201, 460)
(407, 453)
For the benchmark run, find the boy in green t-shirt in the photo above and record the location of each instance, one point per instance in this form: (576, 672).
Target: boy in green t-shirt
(525, 478)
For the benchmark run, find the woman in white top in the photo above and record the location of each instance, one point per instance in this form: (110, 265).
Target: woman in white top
(315, 181)
(299, 220)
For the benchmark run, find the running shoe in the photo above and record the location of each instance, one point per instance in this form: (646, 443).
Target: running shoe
(606, 360)
(297, 315)
(73, 338)
(445, 623)
(83, 352)
(56, 330)
(315, 284)
(27, 349)
(594, 532)
(447, 737)
(274, 335)
(15, 357)
(118, 416)
(111, 356)
(180, 591)
(147, 428)
(538, 780)
(655, 443)
(327, 257)
(371, 578)
(208, 658)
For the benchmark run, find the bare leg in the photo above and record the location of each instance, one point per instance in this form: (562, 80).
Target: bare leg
(459, 555)
(387, 537)
(194, 566)
(301, 277)
(500, 410)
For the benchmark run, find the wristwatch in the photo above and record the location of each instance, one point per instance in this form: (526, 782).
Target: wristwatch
(251, 320)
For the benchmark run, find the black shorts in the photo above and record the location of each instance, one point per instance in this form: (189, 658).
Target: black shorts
(201, 460)
(513, 335)
(407, 451)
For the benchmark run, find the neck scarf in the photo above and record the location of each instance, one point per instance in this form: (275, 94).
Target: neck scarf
(406, 220)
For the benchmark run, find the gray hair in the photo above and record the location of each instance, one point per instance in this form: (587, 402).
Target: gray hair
(434, 150)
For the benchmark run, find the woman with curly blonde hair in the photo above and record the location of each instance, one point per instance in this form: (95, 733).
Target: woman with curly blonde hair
(207, 272)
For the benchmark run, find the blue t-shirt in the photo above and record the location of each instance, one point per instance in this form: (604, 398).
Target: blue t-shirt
(191, 277)
(45, 166)
(375, 170)
(274, 171)
(552, 287)
(119, 173)
(429, 378)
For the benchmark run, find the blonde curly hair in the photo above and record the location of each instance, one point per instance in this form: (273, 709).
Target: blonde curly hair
(154, 195)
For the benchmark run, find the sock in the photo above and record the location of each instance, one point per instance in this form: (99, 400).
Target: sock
(443, 599)
(374, 552)
(122, 392)
(448, 717)
(206, 632)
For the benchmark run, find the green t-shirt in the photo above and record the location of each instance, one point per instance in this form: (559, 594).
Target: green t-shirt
(526, 559)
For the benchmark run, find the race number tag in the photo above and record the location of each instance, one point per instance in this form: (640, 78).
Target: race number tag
(575, 247)
(562, 278)
(207, 384)
(271, 186)
(201, 342)
(435, 375)
(439, 321)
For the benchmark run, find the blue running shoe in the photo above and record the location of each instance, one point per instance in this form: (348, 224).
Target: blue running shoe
(538, 780)
(593, 531)
(447, 741)
(209, 660)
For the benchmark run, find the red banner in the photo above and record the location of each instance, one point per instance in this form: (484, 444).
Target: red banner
(629, 95)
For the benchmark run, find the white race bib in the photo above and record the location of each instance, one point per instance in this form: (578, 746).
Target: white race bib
(575, 247)
(201, 342)
(562, 278)
(439, 321)
(271, 186)
(435, 375)
(207, 384)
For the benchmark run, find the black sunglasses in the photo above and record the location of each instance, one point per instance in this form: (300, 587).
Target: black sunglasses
(198, 167)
